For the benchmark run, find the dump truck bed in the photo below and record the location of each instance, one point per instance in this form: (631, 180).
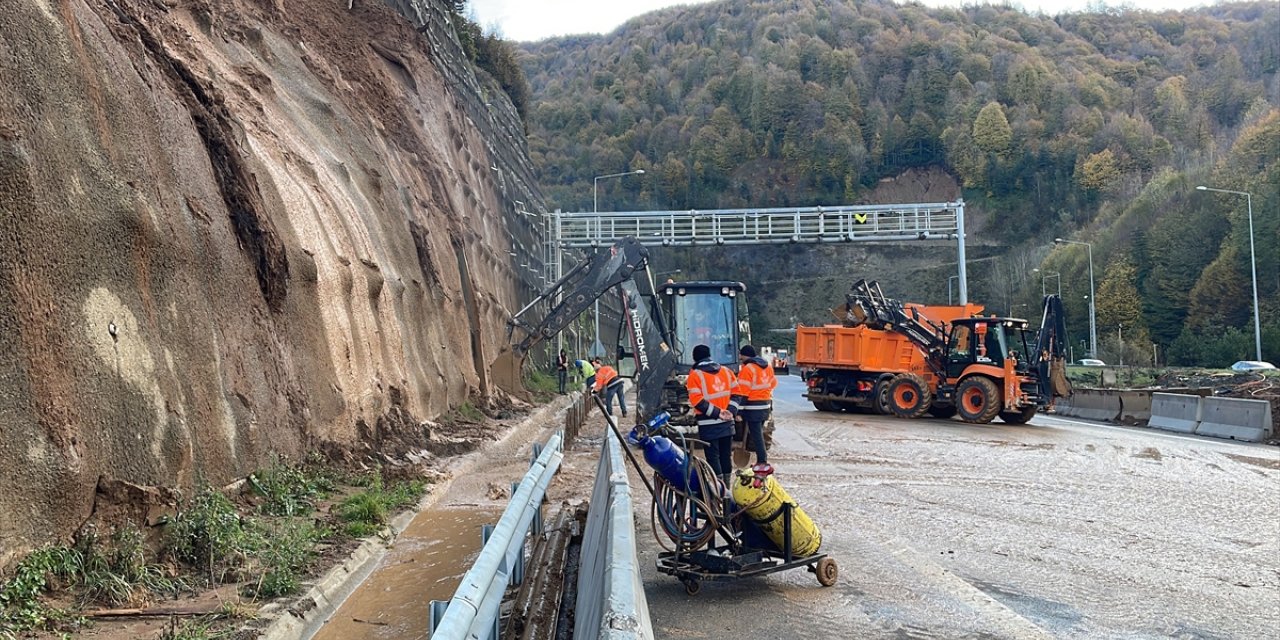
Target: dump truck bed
(865, 349)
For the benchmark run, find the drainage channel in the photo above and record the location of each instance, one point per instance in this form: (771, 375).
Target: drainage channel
(427, 563)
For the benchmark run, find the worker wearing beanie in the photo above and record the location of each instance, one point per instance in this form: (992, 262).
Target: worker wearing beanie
(710, 394)
(754, 393)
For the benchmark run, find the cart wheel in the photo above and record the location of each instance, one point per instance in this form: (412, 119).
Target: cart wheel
(827, 572)
(692, 587)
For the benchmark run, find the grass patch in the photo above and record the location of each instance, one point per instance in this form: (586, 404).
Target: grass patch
(365, 513)
(291, 490)
(286, 552)
(542, 385)
(115, 573)
(209, 535)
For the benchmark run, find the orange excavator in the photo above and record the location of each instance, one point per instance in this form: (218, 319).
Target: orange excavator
(908, 360)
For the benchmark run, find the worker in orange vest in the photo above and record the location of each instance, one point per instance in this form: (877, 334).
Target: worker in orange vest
(609, 384)
(754, 393)
(710, 389)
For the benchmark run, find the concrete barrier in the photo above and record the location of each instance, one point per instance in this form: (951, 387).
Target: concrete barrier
(1135, 406)
(1093, 404)
(1235, 418)
(1175, 412)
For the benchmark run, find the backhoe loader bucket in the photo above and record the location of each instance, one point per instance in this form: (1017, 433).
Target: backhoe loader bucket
(507, 372)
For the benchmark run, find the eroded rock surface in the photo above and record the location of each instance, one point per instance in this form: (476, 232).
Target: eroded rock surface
(229, 229)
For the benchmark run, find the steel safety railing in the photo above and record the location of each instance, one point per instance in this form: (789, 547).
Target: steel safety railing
(849, 223)
(611, 602)
(474, 611)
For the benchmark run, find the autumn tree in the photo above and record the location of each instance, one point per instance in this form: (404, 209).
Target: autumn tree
(991, 131)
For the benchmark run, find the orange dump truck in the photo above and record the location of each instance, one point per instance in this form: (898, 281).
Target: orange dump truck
(852, 367)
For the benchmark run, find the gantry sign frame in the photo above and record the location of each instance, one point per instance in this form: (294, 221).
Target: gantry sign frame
(793, 225)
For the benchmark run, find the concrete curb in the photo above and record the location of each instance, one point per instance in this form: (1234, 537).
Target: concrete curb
(303, 616)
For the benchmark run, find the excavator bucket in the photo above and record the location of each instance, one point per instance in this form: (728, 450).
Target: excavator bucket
(507, 372)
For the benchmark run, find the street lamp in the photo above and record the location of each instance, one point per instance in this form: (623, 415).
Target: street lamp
(949, 279)
(597, 348)
(1093, 318)
(595, 186)
(1253, 266)
(1045, 276)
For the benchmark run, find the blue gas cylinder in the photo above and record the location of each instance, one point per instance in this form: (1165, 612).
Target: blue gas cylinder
(670, 461)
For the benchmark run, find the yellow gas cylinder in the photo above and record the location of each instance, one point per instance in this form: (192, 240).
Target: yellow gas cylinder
(762, 498)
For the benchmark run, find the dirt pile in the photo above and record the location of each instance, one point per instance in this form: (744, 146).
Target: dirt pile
(237, 228)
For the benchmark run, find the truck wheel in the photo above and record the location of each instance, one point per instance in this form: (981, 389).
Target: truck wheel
(978, 399)
(880, 398)
(825, 405)
(909, 396)
(1019, 417)
(943, 412)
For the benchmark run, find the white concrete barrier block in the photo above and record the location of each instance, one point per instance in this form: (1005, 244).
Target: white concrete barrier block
(1174, 412)
(1235, 419)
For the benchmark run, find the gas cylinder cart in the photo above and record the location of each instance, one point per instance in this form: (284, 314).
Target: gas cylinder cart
(753, 528)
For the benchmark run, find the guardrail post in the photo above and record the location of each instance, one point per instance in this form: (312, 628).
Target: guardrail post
(438, 608)
(485, 532)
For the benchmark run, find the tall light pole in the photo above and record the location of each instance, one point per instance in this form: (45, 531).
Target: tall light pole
(1093, 317)
(1044, 290)
(596, 347)
(1253, 266)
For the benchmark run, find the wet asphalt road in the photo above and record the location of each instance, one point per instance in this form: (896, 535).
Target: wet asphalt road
(1057, 529)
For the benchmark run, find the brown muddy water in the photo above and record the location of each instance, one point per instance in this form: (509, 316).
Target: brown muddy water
(427, 563)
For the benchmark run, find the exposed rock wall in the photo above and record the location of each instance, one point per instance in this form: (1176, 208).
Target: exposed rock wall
(235, 228)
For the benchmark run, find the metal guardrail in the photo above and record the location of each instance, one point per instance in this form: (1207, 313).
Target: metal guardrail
(923, 221)
(611, 602)
(575, 415)
(474, 611)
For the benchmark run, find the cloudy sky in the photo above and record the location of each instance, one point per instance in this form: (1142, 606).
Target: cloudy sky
(538, 19)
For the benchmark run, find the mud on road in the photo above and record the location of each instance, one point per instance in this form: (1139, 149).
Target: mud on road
(1058, 529)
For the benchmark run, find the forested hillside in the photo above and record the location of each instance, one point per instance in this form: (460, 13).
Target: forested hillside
(1091, 126)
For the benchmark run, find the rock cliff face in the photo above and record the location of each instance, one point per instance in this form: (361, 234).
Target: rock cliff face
(234, 228)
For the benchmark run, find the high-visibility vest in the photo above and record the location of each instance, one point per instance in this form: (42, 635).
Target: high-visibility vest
(756, 385)
(585, 368)
(716, 388)
(605, 376)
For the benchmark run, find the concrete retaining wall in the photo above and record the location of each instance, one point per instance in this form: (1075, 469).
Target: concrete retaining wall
(1175, 412)
(1235, 419)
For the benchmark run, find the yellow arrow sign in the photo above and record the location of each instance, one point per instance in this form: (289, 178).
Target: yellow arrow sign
(860, 217)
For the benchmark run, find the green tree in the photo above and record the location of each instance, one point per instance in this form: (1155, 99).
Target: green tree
(991, 130)
(1118, 300)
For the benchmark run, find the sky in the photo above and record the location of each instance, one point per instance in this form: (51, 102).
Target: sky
(525, 20)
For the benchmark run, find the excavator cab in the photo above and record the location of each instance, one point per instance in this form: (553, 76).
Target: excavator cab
(704, 312)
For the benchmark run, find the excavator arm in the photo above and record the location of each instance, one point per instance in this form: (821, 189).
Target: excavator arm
(608, 271)
(867, 304)
(1051, 346)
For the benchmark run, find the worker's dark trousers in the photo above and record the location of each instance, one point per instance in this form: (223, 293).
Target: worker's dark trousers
(612, 391)
(720, 455)
(755, 420)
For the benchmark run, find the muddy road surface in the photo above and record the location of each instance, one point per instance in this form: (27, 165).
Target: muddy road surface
(1057, 529)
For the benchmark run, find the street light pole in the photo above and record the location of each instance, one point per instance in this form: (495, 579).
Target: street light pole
(1253, 267)
(595, 208)
(1093, 318)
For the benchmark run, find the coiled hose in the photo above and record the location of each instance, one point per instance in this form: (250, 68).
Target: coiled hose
(689, 520)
